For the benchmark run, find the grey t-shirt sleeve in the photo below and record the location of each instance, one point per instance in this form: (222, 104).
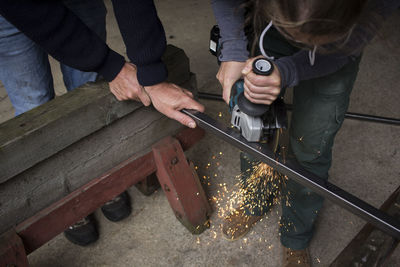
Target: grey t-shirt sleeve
(230, 18)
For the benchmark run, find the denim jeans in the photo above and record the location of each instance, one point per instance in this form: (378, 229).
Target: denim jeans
(24, 66)
(319, 107)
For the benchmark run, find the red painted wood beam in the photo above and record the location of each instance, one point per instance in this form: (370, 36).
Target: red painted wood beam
(53, 220)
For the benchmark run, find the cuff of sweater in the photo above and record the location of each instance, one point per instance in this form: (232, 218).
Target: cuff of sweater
(152, 74)
(234, 50)
(112, 65)
(287, 69)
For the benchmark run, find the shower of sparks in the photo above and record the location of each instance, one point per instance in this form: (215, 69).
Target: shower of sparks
(258, 187)
(262, 188)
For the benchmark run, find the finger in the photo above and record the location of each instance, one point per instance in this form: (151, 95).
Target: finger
(116, 93)
(248, 67)
(191, 104)
(183, 90)
(268, 90)
(260, 80)
(187, 92)
(257, 101)
(261, 96)
(255, 96)
(226, 93)
(181, 118)
(218, 76)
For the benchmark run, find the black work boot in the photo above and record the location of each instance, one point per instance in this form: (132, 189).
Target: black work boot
(117, 208)
(83, 233)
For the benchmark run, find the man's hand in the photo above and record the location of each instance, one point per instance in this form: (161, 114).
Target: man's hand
(261, 89)
(229, 72)
(126, 85)
(169, 99)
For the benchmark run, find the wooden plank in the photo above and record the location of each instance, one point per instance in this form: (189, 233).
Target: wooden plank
(181, 186)
(49, 128)
(12, 252)
(371, 247)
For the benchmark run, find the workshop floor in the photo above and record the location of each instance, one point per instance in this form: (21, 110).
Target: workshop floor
(366, 161)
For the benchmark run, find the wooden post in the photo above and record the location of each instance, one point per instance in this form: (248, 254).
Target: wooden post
(181, 186)
(12, 252)
(149, 185)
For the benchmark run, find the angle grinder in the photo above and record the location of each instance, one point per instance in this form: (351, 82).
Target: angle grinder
(257, 122)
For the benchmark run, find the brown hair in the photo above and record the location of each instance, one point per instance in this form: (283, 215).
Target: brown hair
(312, 17)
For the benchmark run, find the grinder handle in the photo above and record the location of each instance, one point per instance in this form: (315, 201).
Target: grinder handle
(261, 66)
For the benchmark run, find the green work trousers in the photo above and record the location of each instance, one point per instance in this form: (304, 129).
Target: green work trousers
(319, 107)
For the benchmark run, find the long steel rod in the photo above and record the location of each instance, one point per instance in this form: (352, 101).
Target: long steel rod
(294, 171)
(348, 115)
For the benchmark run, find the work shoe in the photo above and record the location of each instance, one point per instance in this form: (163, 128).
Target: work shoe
(117, 208)
(296, 258)
(238, 224)
(82, 233)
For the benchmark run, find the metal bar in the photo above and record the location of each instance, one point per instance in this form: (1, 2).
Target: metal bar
(348, 115)
(293, 170)
(209, 96)
(364, 117)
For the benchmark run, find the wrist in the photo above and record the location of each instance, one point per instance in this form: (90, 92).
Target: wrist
(153, 74)
(112, 66)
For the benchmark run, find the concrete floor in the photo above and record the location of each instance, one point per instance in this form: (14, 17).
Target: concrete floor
(366, 163)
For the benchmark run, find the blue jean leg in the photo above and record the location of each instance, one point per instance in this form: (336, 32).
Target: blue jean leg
(93, 14)
(24, 69)
(24, 66)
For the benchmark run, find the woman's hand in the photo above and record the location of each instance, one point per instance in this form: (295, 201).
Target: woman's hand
(261, 89)
(229, 72)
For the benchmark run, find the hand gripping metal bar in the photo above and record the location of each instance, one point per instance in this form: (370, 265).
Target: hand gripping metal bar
(294, 171)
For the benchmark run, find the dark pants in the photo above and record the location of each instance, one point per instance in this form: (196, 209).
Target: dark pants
(319, 106)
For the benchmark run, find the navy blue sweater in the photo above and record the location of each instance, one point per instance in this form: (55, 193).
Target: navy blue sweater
(65, 37)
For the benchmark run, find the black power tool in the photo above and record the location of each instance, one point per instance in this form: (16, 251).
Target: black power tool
(257, 122)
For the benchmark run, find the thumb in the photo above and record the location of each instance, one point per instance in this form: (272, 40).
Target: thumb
(247, 69)
(226, 93)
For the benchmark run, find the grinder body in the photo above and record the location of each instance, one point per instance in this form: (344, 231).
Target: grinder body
(257, 122)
